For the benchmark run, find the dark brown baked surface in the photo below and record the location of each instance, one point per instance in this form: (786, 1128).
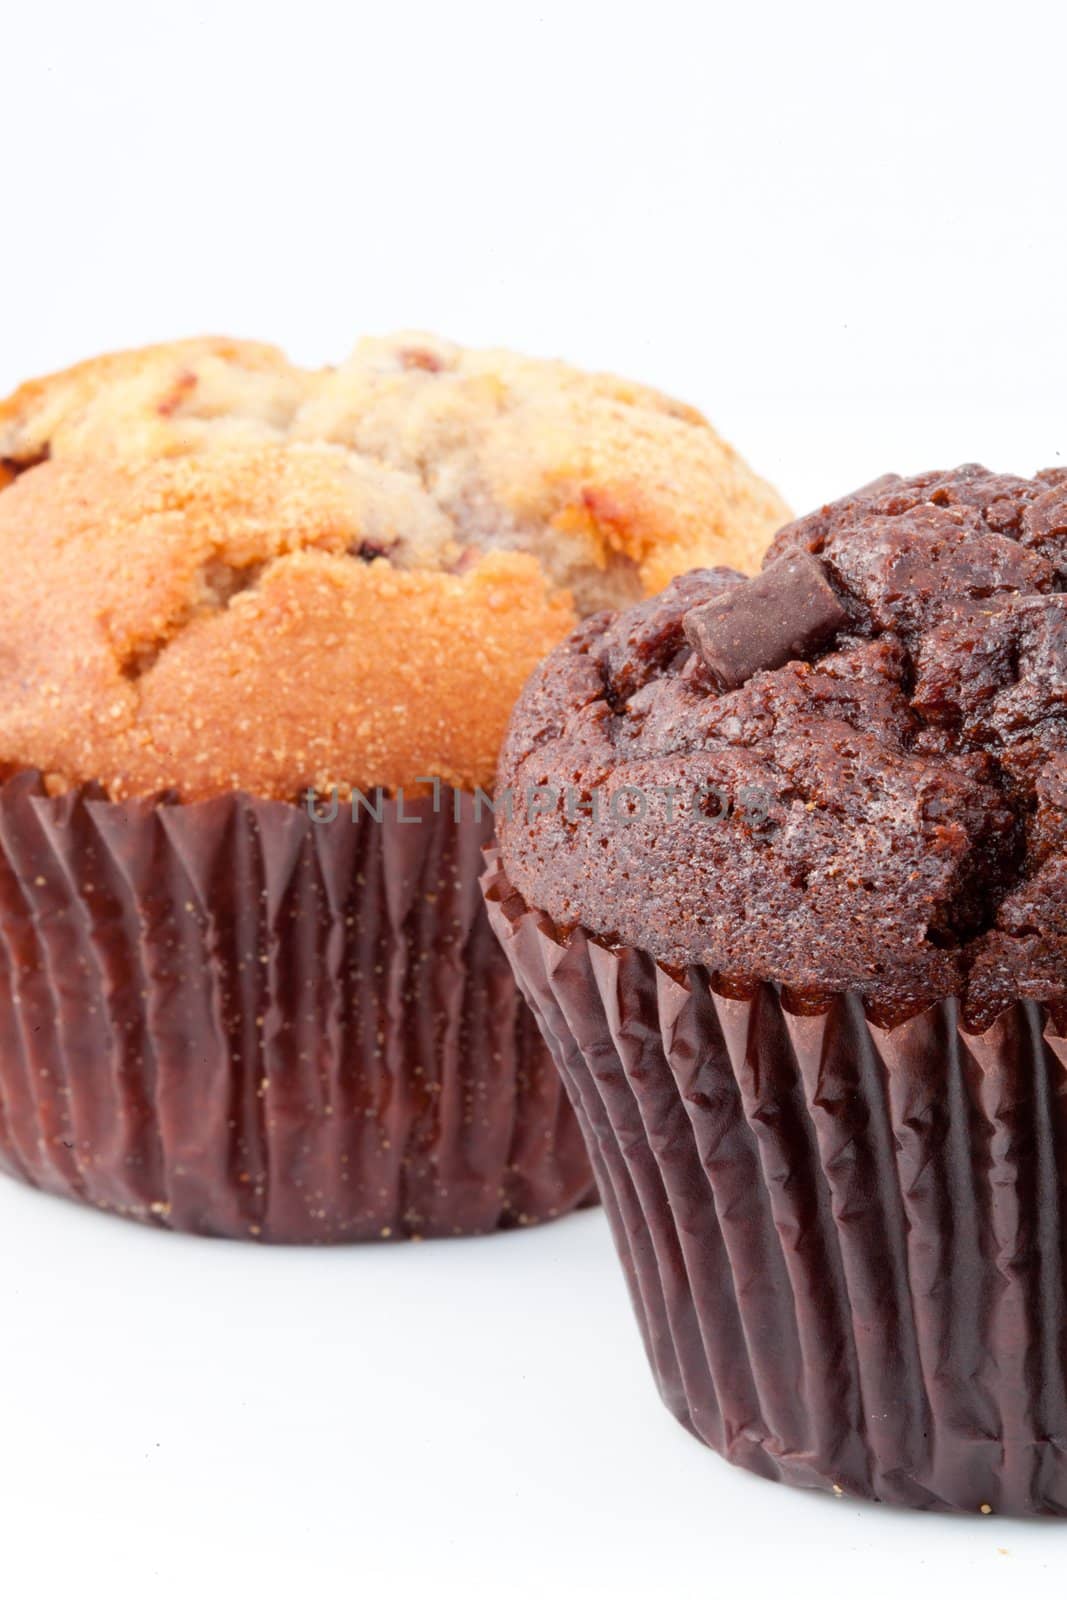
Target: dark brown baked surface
(884, 812)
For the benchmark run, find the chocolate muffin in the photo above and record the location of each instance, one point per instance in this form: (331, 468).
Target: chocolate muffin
(260, 632)
(784, 879)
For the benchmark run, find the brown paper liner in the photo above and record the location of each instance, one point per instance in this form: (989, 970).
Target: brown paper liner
(228, 1018)
(846, 1246)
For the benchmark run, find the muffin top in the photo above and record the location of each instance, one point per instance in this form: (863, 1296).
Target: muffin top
(224, 571)
(849, 772)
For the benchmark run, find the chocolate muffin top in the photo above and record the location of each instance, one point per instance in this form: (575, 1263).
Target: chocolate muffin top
(225, 571)
(847, 773)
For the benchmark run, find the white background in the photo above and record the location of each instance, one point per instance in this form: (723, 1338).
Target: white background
(842, 231)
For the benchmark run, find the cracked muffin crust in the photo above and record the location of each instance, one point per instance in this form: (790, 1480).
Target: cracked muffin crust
(888, 806)
(225, 571)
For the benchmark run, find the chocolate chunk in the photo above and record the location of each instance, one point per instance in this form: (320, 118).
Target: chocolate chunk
(785, 614)
(643, 643)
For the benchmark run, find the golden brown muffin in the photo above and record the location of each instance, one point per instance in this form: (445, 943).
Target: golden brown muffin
(224, 571)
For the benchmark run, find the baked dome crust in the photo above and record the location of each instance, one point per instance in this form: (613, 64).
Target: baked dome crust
(224, 571)
(885, 812)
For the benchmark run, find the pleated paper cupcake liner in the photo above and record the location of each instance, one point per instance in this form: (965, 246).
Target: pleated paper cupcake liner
(230, 1018)
(846, 1246)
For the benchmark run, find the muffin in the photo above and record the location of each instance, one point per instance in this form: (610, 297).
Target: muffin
(260, 632)
(785, 882)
